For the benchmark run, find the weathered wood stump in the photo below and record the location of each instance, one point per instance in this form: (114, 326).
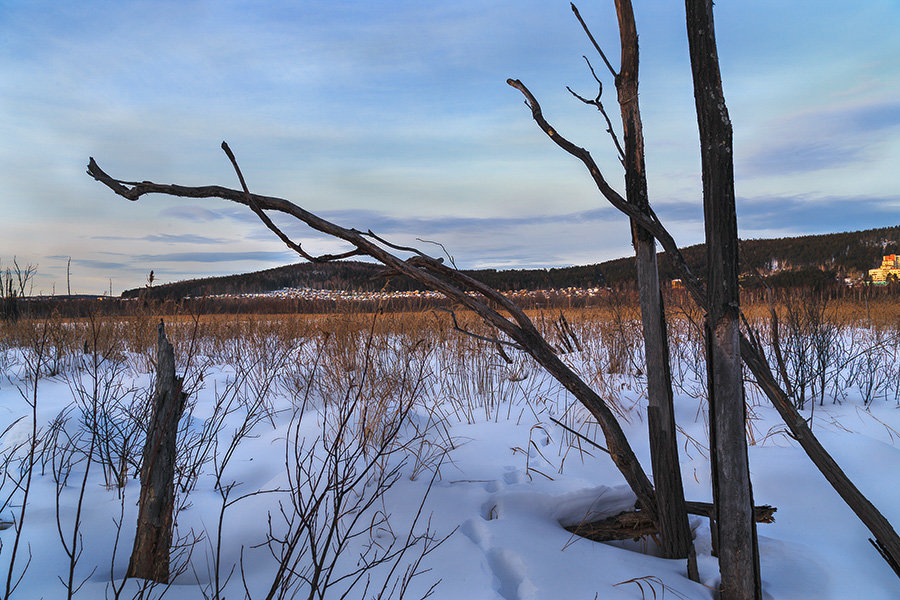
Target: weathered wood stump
(150, 556)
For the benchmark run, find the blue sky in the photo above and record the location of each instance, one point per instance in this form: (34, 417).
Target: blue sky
(396, 116)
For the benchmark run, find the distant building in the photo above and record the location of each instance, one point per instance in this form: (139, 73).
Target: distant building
(889, 269)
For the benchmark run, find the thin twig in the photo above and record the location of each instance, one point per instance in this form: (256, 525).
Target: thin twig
(593, 41)
(483, 338)
(446, 252)
(580, 436)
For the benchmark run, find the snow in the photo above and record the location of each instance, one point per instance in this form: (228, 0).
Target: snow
(505, 477)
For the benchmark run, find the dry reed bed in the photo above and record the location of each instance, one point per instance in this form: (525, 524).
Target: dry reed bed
(386, 389)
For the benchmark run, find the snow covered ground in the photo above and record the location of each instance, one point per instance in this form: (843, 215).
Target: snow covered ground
(501, 477)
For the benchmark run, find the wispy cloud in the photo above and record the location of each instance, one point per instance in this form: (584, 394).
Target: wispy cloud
(102, 265)
(213, 257)
(166, 238)
(805, 214)
(380, 222)
(821, 139)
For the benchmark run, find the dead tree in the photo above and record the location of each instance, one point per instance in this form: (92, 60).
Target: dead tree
(150, 556)
(885, 537)
(674, 529)
(732, 490)
(451, 283)
(14, 283)
(488, 303)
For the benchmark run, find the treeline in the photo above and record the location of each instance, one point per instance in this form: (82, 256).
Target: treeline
(47, 307)
(349, 275)
(813, 260)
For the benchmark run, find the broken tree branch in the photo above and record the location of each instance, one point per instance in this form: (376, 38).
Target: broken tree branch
(630, 525)
(646, 218)
(486, 302)
(599, 106)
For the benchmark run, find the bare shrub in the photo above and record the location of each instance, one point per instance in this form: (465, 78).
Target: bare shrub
(335, 533)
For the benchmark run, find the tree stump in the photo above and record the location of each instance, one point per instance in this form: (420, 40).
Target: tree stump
(150, 556)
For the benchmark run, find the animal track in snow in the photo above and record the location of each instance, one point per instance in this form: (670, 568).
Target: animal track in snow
(513, 477)
(476, 531)
(509, 571)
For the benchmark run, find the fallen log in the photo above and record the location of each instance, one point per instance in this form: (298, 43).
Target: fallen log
(631, 525)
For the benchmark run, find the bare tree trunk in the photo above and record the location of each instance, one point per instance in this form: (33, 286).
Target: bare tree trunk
(150, 556)
(886, 539)
(732, 493)
(674, 529)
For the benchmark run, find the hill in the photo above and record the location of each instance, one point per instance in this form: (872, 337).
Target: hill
(785, 262)
(789, 261)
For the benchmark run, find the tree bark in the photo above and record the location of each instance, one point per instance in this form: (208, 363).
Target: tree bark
(674, 529)
(150, 556)
(732, 492)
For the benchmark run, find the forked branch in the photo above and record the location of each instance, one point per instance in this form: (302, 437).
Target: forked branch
(646, 218)
(598, 104)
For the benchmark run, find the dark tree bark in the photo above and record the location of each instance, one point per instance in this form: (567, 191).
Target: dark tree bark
(674, 529)
(732, 492)
(150, 556)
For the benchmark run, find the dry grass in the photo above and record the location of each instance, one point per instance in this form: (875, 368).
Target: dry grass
(394, 359)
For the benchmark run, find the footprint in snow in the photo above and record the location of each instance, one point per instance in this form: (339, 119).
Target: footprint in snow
(510, 579)
(492, 486)
(510, 575)
(513, 477)
(477, 531)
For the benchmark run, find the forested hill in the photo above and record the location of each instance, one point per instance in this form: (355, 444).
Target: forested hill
(784, 261)
(787, 261)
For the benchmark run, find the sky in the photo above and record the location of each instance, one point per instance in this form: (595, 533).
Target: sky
(395, 116)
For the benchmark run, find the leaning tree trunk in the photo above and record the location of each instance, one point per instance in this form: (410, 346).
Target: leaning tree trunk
(674, 529)
(150, 556)
(733, 496)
